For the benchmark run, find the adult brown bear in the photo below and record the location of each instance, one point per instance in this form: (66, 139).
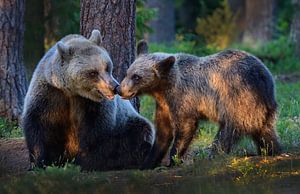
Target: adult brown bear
(70, 111)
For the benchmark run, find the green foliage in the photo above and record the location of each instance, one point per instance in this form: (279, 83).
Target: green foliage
(61, 18)
(189, 11)
(182, 47)
(288, 124)
(177, 161)
(278, 55)
(9, 129)
(147, 107)
(285, 15)
(143, 16)
(218, 29)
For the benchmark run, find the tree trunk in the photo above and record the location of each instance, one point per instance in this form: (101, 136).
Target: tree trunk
(116, 21)
(295, 27)
(164, 25)
(238, 7)
(34, 34)
(260, 20)
(12, 72)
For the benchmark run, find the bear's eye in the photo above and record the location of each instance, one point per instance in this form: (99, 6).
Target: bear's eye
(136, 77)
(93, 74)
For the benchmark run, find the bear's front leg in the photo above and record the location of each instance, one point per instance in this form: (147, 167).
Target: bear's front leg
(87, 155)
(185, 130)
(33, 131)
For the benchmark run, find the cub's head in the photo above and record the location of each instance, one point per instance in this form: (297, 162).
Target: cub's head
(146, 72)
(86, 67)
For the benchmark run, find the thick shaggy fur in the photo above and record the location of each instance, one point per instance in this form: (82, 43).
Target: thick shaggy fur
(231, 88)
(67, 114)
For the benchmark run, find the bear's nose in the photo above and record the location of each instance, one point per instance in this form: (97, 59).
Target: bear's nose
(117, 90)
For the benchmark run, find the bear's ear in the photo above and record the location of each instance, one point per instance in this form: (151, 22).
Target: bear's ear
(164, 66)
(96, 37)
(64, 51)
(142, 48)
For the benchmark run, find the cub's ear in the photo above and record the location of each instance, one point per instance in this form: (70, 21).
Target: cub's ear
(164, 66)
(142, 48)
(64, 51)
(96, 37)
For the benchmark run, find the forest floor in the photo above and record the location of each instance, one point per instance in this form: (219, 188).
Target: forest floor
(224, 174)
(13, 156)
(234, 173)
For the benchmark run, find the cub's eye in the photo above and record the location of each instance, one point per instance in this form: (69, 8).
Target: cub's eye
(136, 77)
(93, 74)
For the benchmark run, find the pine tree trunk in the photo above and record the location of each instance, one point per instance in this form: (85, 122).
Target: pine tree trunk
(164, 25)
(116, 21)
(260, 20)
(12, 72)
(34, 34)
(295, 27)
(238, 7)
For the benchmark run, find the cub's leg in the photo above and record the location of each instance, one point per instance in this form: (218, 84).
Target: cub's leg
(267, 140)
(184, 134)
(226, 138)
(164, 137)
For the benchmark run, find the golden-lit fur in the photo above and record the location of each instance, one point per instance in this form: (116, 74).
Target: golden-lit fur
(232, 88)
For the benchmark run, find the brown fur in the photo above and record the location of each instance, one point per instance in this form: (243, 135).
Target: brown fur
(70, 113)
(231, 88)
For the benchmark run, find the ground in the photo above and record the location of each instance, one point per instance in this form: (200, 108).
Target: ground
(235, 173)
(13, 156)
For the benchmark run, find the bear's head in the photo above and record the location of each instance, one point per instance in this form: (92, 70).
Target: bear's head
(86, 67)
(147, 73)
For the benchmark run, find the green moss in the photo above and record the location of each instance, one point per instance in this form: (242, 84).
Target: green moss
(9, 129)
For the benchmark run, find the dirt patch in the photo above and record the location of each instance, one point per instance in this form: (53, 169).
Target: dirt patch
(13, 156)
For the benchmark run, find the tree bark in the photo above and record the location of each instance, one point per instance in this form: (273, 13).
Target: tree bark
(238, 7)
(260, 20)
(295, 27)
(34, 34)
(12, 72)
(116, 21)
(164, 25)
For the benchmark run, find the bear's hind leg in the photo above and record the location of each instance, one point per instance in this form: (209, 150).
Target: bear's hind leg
(226, 138)
(267, 142)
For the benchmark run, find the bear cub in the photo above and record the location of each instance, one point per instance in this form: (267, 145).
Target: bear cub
(231, 88)
(70, 112)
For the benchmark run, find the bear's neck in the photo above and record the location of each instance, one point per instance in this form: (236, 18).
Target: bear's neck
(161, 96)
